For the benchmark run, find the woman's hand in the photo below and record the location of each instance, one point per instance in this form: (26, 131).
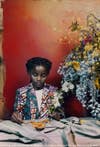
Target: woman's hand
(55, 116)
(16, 117)
(58, 114)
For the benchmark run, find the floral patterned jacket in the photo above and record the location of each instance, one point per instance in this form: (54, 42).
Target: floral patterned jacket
(26, 102)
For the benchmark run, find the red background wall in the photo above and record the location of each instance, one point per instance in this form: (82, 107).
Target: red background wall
(39, 28)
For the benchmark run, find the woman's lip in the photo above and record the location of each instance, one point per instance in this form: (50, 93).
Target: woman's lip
(38, 83)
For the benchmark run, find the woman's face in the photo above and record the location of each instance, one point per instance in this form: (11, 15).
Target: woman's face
(38, 76)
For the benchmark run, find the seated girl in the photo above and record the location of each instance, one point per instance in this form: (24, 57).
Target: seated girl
(34, 101)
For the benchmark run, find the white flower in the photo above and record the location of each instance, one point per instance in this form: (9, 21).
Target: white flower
(67, 86)
(71, 86)
(55, 101)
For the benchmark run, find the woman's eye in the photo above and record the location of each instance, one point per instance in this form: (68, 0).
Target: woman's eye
(44, 75)
(35, 74)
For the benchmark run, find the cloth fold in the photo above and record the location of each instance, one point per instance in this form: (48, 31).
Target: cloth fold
(86, 131)
(68, 132)
(89, 128)
(24, 133)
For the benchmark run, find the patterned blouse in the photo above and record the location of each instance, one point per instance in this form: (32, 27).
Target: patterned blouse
(26, 102)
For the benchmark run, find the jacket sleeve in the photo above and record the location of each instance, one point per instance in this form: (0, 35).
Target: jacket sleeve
(18, 105)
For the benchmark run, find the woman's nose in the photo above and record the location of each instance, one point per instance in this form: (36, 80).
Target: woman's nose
(39, 78)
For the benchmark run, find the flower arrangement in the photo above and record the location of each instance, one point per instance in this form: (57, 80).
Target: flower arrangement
(80, 70)
(51, 99)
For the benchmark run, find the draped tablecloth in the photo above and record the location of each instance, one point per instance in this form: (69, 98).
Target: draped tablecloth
(73, 131)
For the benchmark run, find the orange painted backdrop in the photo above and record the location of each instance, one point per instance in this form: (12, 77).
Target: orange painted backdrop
(39, 28)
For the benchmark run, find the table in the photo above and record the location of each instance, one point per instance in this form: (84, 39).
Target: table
(68, 132)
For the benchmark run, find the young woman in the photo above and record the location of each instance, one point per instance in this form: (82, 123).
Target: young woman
(35, 99)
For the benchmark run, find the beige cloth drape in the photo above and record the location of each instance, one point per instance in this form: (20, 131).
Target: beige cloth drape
(2, 79)
(2, 67)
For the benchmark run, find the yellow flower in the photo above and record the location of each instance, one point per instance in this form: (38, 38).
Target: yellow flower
(98, 33)
(68, 64)
(95, 44)
(88, 47)
(98, 25)
(77, 49)
(97, 82)
(98, 38)
(96, 53)
(76, 65)
(84, 54)
(80, 38)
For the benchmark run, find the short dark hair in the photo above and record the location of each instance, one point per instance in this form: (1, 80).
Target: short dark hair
(38, 61)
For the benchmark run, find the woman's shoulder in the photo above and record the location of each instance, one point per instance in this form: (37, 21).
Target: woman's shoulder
(24, 88)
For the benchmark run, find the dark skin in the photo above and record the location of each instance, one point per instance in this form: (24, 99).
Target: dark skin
(38, 76)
